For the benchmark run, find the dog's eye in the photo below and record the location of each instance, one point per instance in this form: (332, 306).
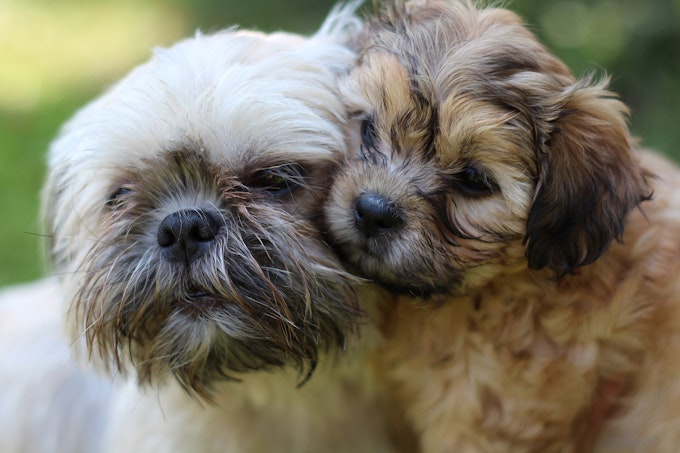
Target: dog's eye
(116, 197)
(278, 180)
(368, 134)
(475, 183)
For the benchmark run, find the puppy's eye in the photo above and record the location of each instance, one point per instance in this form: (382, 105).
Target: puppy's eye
(278, 180)
(117, 196)
(475, 183)
(368, 134)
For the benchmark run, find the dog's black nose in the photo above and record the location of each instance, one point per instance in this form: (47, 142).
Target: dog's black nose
(375, 215)
(186, 235)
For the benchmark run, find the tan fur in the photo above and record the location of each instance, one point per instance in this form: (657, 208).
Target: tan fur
(535, 290)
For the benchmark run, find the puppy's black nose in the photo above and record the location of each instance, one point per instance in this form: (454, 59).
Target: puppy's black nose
(375, 215)
(186, 235)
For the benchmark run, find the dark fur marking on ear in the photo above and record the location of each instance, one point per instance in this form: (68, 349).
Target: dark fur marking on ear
(588, 183)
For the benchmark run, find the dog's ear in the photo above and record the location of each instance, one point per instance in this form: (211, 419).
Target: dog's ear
(588, 181)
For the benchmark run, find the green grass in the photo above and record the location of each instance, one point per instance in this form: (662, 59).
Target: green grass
(25, 137)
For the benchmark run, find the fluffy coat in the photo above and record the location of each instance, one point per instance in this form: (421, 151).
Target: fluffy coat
(528, 249)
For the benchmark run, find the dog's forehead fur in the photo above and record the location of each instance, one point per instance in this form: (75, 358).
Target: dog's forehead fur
(424, 60)
(224, 91)
(455, 44)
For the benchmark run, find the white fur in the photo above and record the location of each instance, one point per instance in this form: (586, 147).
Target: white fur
(50, 405)
(235, 93)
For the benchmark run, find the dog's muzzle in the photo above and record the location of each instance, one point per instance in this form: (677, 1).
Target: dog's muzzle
(375, 215)
(187, 234)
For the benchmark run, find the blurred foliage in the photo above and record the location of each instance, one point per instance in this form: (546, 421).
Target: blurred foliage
(57, 54)
(636, 42)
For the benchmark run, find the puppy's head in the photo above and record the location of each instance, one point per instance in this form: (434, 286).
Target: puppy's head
(182, 202)
(479, 154)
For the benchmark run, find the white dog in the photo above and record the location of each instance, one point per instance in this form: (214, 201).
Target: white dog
(182, 207)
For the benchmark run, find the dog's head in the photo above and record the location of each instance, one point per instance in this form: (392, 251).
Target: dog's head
(479, 154)
(182, 205)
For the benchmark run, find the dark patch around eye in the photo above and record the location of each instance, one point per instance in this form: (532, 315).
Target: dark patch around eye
(474, 182)
(368, 134)
(369, 149)
(278, 180)
(117, 196)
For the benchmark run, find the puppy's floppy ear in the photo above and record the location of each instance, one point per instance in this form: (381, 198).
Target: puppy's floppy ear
(588, 181)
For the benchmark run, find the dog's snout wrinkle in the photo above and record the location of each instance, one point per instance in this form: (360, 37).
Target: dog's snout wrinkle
(185, 235)
(374, 214)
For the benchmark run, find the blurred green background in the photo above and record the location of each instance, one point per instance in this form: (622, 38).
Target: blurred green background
(55, 55)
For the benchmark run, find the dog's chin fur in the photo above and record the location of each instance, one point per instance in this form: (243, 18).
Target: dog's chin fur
(518, 208)
(182, 208)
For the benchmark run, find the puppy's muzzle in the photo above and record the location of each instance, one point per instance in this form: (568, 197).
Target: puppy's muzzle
(376, 215)
(186, 235)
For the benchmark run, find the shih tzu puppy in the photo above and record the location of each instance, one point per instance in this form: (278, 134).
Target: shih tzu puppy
(182, 207)
(529, 249)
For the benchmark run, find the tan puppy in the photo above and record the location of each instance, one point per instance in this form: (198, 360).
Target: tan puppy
(535, 291)
(181, 207)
